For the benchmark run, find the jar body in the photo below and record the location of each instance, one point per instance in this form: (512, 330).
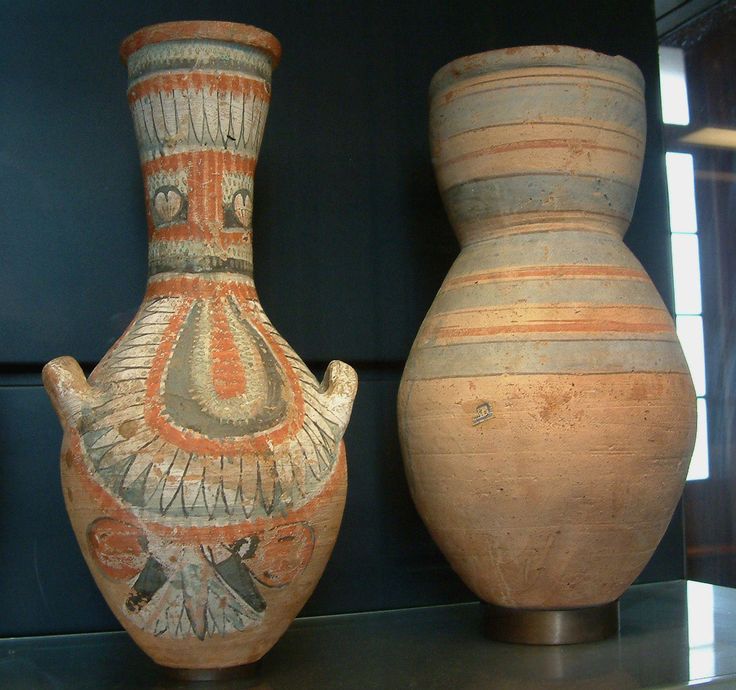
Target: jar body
(546, 419)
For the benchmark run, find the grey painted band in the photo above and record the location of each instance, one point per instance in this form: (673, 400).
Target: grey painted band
(539, 101)
(544, 249)
(545, 357)
(497, 196)
(528, 292)
(199, 54)
(200, 264)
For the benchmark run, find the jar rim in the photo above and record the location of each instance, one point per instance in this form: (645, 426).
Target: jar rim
(228, 32)
(532, 56)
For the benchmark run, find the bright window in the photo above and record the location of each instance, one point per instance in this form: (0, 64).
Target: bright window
(681, 188)
(686, 273)
(685, 247)
(675, 110)
(688, 300)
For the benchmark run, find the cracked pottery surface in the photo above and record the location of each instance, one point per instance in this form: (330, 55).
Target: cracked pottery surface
(203, 466)
(546, 412)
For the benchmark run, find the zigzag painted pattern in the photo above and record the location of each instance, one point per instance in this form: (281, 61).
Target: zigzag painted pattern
(188, 119)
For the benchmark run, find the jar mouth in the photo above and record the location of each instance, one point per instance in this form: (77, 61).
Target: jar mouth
(227, 32)
(532, 56)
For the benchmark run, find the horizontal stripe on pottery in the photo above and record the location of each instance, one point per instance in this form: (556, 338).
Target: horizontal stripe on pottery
(575, 145)
(164, 285)
(161, 249)
(572, 247)
(536, 58)
(169, 148)
(545, 357)
(562, 331)
(551, 313)
(490, 88)
(213, 244)
(187, 232)
(548, 76)
(553, 319)
(534, 222)
(181, 120)
(542, 156)
(201, 80)
(539, 102)
(195, 238)
(226, 162)
(506, 135)
(551, 322)
(501, 195)
(200, 264)
(569, 272)
(571, 127)
(588, 291)
(172, 55)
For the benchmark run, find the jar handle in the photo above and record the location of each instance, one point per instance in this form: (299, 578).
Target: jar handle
(68, 389)
(339, 387)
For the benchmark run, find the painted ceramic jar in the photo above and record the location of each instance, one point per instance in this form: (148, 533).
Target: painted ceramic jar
(547, 415)
(202, 464)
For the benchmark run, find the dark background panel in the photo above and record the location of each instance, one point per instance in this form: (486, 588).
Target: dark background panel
(351, 244)
(45, 586)
(351, 238)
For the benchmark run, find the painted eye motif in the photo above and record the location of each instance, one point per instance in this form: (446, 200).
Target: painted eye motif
(168, 203)
(243, 207)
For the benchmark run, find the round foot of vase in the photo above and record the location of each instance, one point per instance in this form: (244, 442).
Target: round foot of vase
(242, 672)
(551, 627)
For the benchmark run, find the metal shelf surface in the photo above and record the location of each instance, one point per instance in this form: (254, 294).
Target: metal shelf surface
(673, 635)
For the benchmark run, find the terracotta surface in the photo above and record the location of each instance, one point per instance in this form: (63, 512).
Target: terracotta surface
(546, 412)
(202, 464)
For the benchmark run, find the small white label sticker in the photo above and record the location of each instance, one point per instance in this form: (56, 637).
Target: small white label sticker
(483, 412)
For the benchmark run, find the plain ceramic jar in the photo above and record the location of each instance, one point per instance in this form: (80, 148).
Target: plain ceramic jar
(546, 412)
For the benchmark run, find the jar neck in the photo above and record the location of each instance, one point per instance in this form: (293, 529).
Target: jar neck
(199, 207)
(475, 231)
(199, 109)
(195, 286)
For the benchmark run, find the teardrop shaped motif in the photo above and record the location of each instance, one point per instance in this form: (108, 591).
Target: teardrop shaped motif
(243, 207)
(205, 389)
(167, 203)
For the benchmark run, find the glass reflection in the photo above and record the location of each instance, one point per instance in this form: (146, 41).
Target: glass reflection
(673, 86)
(700, 630)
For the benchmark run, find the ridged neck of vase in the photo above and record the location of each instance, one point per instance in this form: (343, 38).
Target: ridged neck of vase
(537, 139)
(199, 95)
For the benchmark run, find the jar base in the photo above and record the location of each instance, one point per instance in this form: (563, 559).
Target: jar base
(551, 626)
(242, 672)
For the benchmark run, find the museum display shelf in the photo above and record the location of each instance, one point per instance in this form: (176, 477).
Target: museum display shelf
(673, 635)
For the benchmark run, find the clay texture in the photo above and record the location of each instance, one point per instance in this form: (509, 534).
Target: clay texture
(202, 464)
(547, 415)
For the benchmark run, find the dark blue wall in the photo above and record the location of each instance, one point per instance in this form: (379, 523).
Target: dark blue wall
(351, 244)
